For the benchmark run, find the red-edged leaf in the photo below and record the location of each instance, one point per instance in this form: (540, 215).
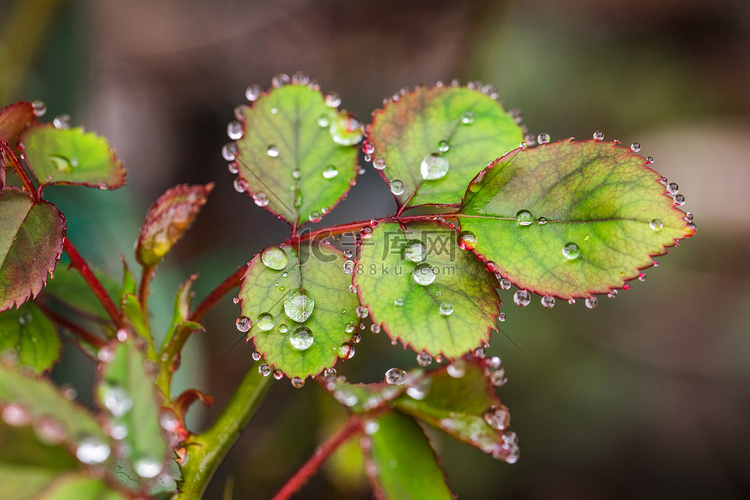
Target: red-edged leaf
(14, 119)
(167, 220)
(31, 240)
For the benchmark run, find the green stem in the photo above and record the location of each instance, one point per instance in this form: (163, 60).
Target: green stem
(206, 451)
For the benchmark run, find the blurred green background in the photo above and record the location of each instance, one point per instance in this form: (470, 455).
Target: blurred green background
(646, 396)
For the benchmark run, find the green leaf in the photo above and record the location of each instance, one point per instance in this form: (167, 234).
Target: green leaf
(128, 393)
(31, 240)
(445, 127)
(14, 119)
(460, 400)
(72, 156)
(404, 465)
(606, 214)
(167, 221)
(26, 464)
(70, 290)
(297, 156)
(299, 296)
(30, 336)
(40, 398)
(80, 487)
(425, 290)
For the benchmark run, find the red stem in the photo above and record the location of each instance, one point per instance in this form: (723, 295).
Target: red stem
(25, 180)
(77, 330)
(215, 296)
(325, 450)
(353, 226)
(96, 286)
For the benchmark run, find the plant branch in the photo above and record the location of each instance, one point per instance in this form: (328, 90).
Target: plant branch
(232, 281)
(353, 426)
(356, 226)
(206, 451)
(77, 330)
(96, 286)
(18, 168)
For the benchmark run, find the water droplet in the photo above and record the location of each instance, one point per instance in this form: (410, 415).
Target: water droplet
(522, 298)
(679, 200)
(498, 377)
(524, 217)
(62, 121)
(467, 118)
(345, 129)
(366, 233)
(656, 224)
(256, 356)
(264, 370)
(497, 417)
(375, 328)
(399, 302)
(332, 100)
(446, 308)
(457, 369)
(233, 168)
(599, 135)
(368, 148)
(314, 216)
(505, 284)
(148, 467)
(252, 92)
(298, 383)
(91, 450)
(673, 188)
(240, 185)
(330, 172)
(378, 163)
(415, 251)
(300, 78)
(397, 187)
(362, 312)
(548, 302)
(491, 266)
(265, 322)
(571, 251)
(49, 430)
(424, 274)
(278, 374)
(395, 376)
(272, 151)
(612, 294)
(116, 399)
(424, 358)
(39, 108)
(15, 415)
(324, 120)
(434, 167)
(543, 138)
(243, 324)
(274, 258)
(348, 267)
(301, 338)
(419, 389)
(591, 302)
(260, 199)
(234, 130)
(296, 174)
(467, 240)
(501, 316)
(346, 350)
(229, 151)
(635, 147)
(279, 80)
(444, 146)
(298, 305)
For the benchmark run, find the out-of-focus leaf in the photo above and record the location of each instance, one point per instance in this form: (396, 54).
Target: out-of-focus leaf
(299, 307)
(14, 119)
(72, 156)
(167, 221)
(403, 464)
(434, 140)
(79, 487)
(31, 240)
(129, 395)
(297, 156)
(69, 289)
(571, 219)
(425, 290)
(30, 337)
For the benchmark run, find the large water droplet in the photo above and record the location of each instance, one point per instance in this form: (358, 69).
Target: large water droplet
(148, 467)
(424, 358)
(524, 218)
(274, 258)
(415, 251)
(679, 199)
(434, 167)
(522, 298)
(395, 376)
(635, 147)
(345, 129)
(571, 251)
(272, 151)
(505, 284)
(234, 130)
(91, 450)
(116, 399)
(548, 302)
(243, 324)
(229, 151)
(252, 92)
(397, 187)
(298, 305)
(656, 224)
(598, 135)
(424, 274)
(346, 350)
(264, 370)
(301, 338)
(39, 108)
(591, 302)
(260, 199)
(314, 216)
(362, 312)
(497, 417)
(265, 322)
(378, 163)
(446, 308)
(543, 138)
(673, 188)
(330, 172)
(467, 240)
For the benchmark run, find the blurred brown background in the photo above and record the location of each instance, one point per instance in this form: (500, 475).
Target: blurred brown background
(647, 396)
